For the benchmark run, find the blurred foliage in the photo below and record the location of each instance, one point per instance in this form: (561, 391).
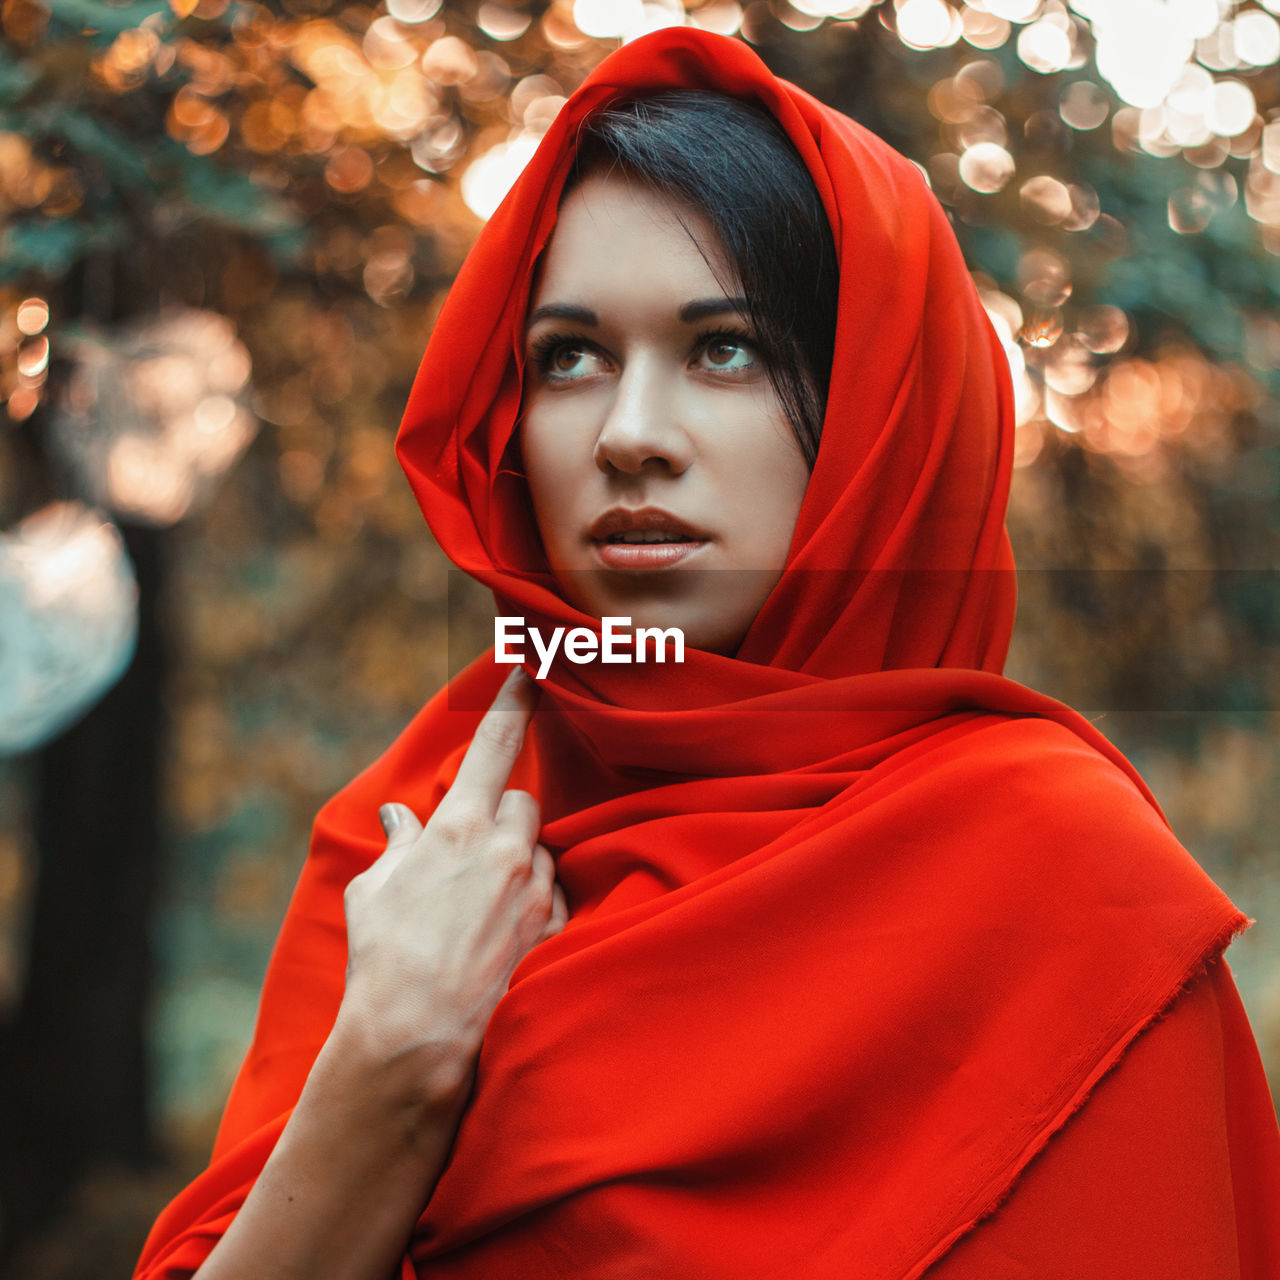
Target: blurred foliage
(91, 168)
(315, 172)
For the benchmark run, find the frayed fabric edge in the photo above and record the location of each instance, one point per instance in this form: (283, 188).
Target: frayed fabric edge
(1212, 954)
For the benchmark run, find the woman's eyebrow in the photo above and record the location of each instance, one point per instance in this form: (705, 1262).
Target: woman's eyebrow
(692, 311)
(689, 313)
(562, 311)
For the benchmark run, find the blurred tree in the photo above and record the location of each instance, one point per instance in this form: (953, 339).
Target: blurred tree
(312, 172)
(100, 203)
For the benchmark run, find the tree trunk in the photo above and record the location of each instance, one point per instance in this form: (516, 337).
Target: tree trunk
(73, 1064)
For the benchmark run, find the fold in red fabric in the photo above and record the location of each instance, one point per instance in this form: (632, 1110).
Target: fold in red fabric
(858, 926)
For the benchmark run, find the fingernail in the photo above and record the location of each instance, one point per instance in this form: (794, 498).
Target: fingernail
(391, 818)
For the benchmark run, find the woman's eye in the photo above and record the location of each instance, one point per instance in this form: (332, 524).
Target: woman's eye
(560, 360)
(729, 353)
(566, 359)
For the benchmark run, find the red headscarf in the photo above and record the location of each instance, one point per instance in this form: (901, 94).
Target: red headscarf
(856, 923)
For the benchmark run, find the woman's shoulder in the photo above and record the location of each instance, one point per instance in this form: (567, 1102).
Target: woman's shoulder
(1032, 802)
(1033, 768)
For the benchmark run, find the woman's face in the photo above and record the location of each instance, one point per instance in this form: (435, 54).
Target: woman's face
(665, 477)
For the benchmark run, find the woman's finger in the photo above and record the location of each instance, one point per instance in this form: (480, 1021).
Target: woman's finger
(486, 767)
(559, 913)
(520, 814)
(401, 826)
(399, 823)
(544, 865)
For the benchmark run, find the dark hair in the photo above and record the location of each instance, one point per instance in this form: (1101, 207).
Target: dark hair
(734, 164)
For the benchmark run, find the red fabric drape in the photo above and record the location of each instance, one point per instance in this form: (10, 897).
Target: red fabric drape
(1171, 1169)
(858, 926)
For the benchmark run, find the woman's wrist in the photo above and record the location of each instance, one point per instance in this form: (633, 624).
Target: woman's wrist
(422, 1078)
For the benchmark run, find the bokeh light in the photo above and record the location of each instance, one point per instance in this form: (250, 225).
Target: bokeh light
(68, 620)
(983, 29)
(928, 24)
(986, 167)
(1045, 46)
(489, 178)
(152, 416)
(1256, 38)
(1142, 46)
(32, 316)
(1046, 199)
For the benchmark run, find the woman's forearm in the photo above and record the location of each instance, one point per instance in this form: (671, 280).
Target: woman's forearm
(353, 1169)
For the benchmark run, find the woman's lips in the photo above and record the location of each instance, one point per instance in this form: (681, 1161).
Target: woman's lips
(645, 555)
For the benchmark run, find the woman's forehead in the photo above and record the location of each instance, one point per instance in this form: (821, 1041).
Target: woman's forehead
(615, 234)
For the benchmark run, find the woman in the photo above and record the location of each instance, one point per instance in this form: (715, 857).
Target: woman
(874, 962)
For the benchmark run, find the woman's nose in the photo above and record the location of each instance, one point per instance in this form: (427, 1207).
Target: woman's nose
(642, 424)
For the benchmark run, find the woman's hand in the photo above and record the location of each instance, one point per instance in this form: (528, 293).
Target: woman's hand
(438, 923)
(435, 927)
